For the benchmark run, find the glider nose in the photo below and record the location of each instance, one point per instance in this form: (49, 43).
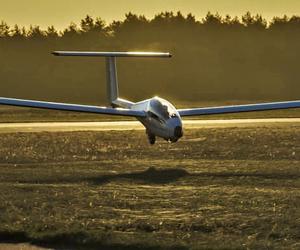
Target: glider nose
(178, 132)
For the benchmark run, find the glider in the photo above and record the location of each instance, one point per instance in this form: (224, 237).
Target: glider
(160, 117)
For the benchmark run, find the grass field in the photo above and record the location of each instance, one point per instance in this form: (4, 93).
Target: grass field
(217, 188)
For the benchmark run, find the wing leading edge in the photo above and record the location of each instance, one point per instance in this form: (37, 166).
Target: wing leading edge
(111, 54)
(71, 107)
(239, 108)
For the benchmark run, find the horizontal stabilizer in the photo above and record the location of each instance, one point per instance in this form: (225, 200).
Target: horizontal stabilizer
(111, 54)
(71, 107)
(239, 108)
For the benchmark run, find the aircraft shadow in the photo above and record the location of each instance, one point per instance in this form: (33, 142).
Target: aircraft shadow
(164, 176)
(151, 176)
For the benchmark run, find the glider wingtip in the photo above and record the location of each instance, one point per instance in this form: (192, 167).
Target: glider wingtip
(55, 53)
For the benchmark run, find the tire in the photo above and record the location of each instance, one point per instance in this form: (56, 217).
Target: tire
(151, 138)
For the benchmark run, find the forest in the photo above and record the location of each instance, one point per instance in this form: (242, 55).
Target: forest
(215, 58)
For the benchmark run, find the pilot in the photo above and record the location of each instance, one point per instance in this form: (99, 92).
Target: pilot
(165, 112)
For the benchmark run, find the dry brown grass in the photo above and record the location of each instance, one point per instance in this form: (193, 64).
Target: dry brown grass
(231, 188)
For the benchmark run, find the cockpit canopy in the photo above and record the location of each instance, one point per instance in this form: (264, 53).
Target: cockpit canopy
(162, 109)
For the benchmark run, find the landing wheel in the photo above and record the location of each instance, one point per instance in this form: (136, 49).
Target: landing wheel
(151, 138)
(174, 140)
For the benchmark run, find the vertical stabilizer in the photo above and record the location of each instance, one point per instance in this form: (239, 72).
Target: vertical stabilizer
(112, 80)
(111, 70)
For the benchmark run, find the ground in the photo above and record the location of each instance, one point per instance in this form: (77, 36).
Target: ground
(217, 188)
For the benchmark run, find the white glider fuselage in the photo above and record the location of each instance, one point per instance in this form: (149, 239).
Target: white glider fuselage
(162, 119)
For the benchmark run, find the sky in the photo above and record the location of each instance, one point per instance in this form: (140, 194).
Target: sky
(61, 13)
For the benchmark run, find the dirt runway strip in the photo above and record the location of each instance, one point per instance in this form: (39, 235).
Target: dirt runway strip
(135, 125)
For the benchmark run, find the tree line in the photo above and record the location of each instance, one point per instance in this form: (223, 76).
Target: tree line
(215, 58)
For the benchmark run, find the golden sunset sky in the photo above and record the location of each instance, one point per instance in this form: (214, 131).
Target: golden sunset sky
(61, 12)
